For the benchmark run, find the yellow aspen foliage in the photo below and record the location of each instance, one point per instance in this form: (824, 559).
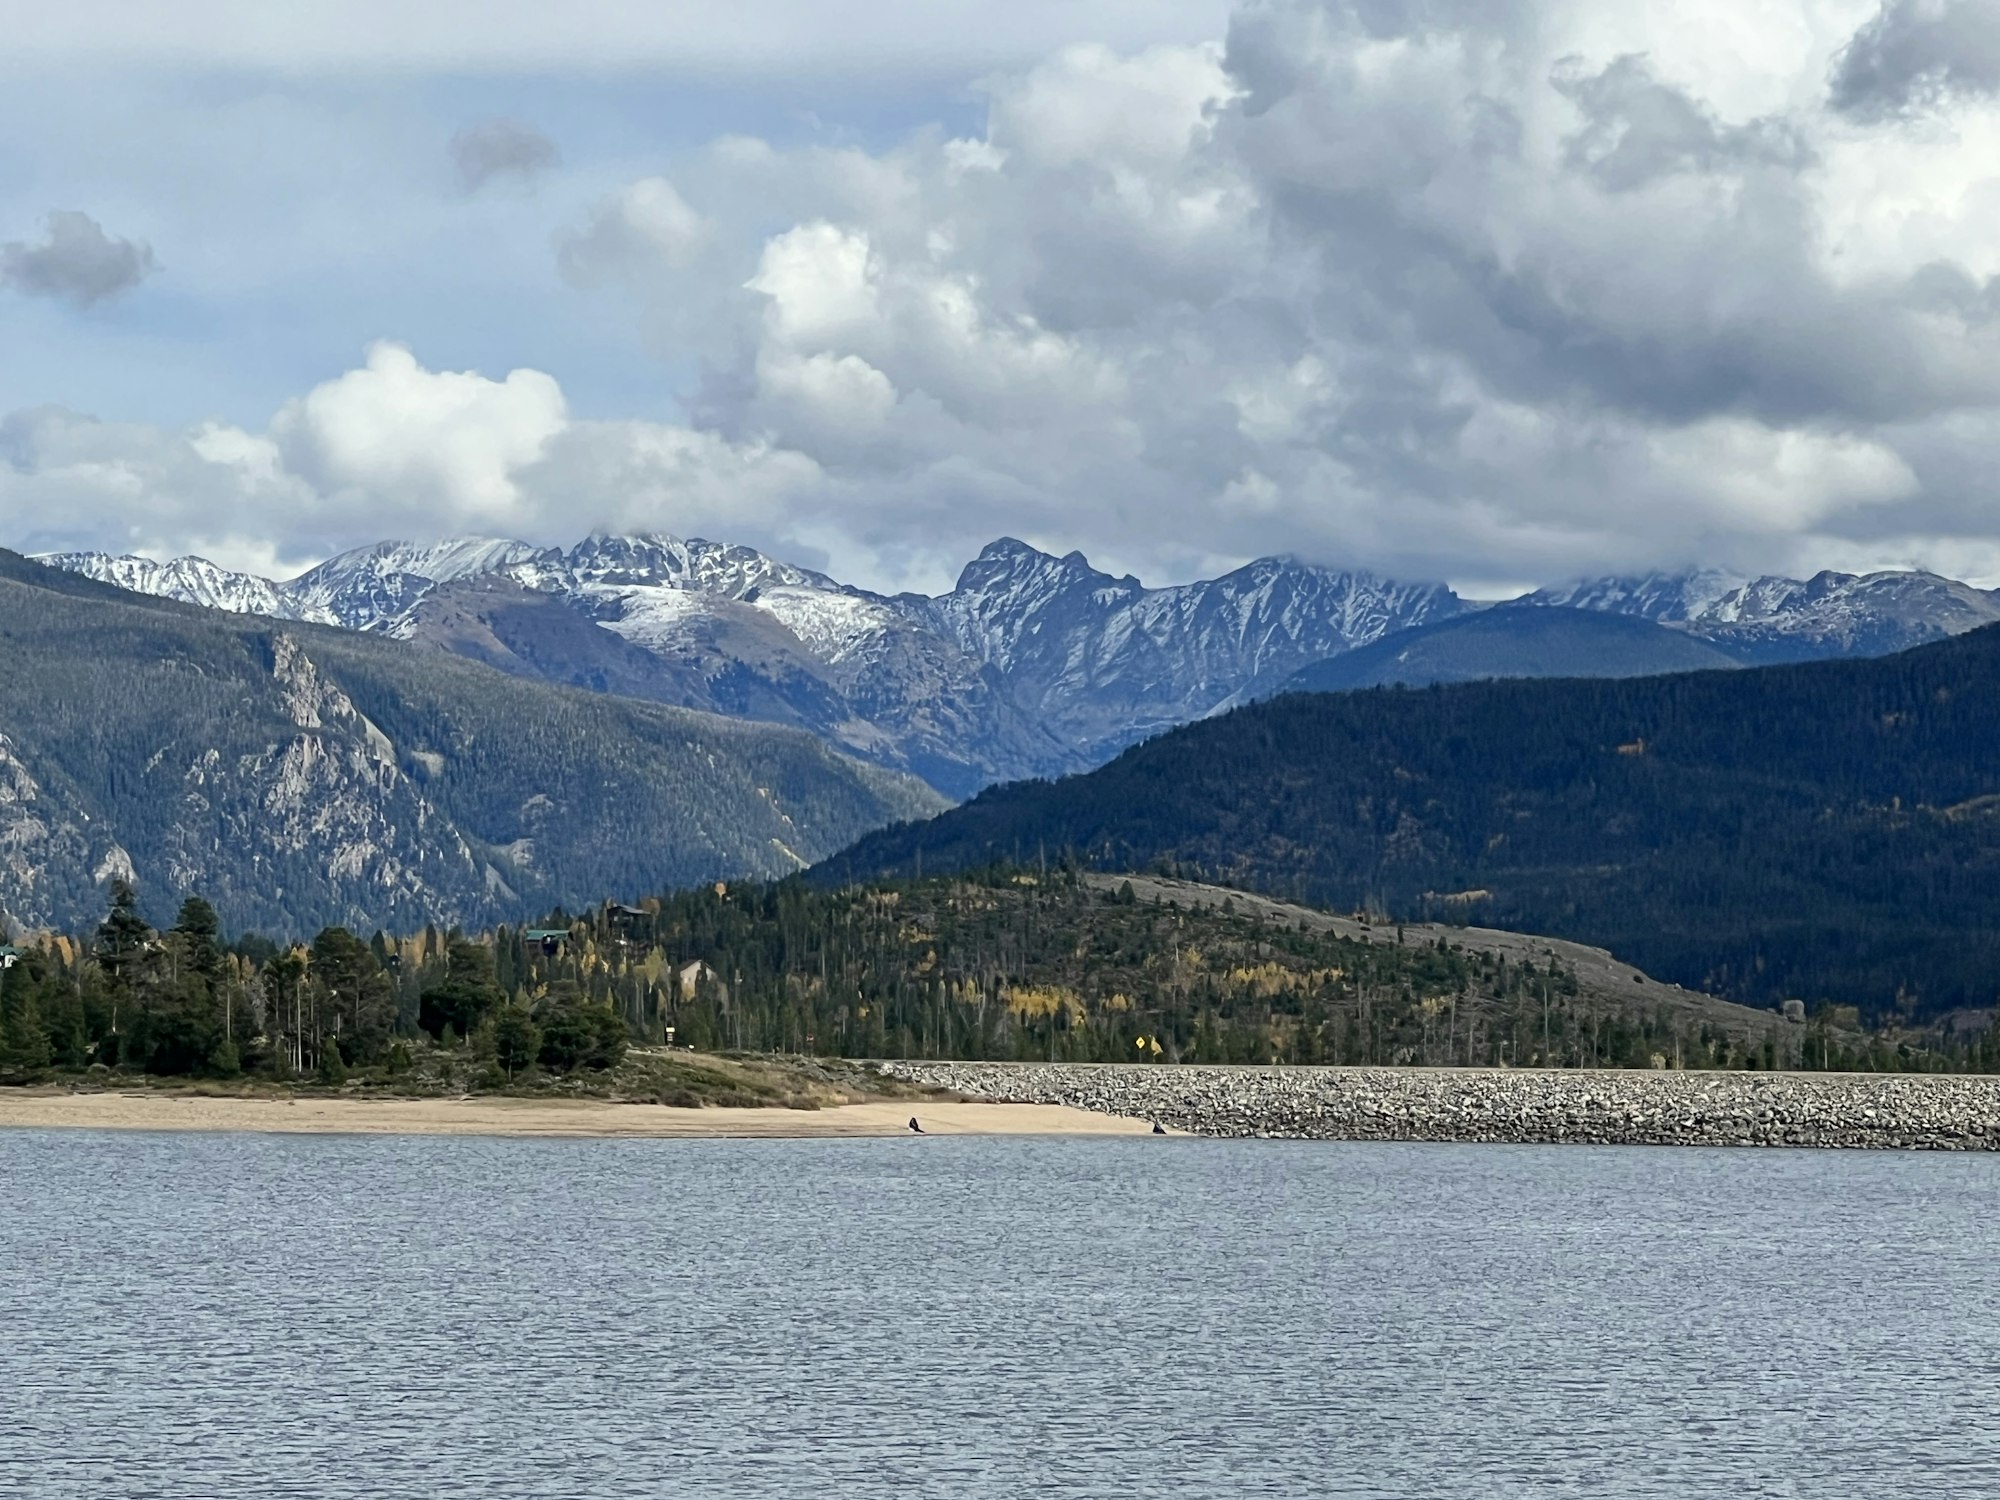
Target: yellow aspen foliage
(1032, 1001)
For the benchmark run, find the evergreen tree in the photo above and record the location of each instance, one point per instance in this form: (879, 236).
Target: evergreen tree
(517, 1041)
(199, 932)
(123, 934)
(24, 1044)
(332, 1067)
(466, 994)
(361, 999)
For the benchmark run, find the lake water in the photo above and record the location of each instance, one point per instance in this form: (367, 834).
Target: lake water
(221, 1316)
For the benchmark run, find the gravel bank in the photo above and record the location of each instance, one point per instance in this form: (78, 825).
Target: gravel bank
(1853, 1110)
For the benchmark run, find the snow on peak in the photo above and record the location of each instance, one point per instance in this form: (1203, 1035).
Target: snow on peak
(192, 580)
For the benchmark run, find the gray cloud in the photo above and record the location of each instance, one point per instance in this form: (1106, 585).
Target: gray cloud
(501, 148)
(75, 262)
(1637, 129)
(1914, 54)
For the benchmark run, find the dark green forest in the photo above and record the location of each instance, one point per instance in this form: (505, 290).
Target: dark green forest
(1827, 831)
(1005, 964)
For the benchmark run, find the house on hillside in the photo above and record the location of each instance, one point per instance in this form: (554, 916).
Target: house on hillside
(693, 976)
(625, 924)
(551, 940)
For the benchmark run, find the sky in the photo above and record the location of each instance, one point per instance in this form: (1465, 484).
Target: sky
(1499, 292)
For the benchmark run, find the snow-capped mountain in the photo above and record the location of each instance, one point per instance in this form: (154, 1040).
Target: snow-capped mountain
(366, 588)
(1033, 665)
(1107, 660)
(192, 580)
(736, 632)
(358, 590)
(1787, 619)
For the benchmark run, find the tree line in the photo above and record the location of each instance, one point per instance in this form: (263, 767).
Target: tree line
(1006, 963)
(181, 1001)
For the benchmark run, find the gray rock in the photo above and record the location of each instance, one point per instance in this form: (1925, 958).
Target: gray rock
(1880, 1112)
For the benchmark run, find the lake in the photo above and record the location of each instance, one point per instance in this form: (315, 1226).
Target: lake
(334, 1317)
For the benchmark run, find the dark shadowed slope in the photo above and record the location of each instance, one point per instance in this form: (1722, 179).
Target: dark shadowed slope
(1826, 831)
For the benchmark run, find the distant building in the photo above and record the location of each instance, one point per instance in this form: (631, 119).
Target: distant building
(624, 924)
(551, 940)
(694, 975)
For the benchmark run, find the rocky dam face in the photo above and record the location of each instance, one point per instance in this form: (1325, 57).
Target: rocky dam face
(1527, 1106)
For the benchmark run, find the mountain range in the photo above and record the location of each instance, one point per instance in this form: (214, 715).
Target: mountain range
(1034, 665)
(298, 775)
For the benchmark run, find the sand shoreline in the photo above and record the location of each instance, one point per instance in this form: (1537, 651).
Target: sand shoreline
(572, 1118)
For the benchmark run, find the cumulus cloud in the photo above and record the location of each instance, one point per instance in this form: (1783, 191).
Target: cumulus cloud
(393, 428)
(75, 262)
(1455, 288)
(390, 448)
(501, 148)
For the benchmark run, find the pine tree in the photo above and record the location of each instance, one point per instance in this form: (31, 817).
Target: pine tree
(332, 1066)
(122, 935)
(200, 933)
(24, 1044)
(466, 995)
(517, 1040)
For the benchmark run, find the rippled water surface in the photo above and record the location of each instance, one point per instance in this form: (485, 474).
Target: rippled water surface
(216, 1316)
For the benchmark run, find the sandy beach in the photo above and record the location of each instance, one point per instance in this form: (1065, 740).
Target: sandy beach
(538, 1117)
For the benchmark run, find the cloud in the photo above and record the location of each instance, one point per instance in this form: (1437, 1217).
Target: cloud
(639, 228)
(1464, 288)
(1436, 287)
(75, 262)
(1916, 54)
(501, 148)
(391, 448)
(395, 429)
(789, 37)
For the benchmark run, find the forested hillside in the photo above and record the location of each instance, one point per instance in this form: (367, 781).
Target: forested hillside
(298, 775)
(1000, 964)
(1828, 831)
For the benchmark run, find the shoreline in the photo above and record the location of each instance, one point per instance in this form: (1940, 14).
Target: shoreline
(574, 1119)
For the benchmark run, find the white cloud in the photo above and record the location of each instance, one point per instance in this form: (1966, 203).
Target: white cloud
(449, 440)
(1090, 106)
(388, 449)
(822, 282)
(631, 233)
